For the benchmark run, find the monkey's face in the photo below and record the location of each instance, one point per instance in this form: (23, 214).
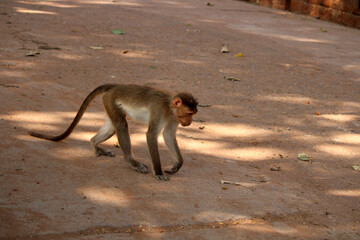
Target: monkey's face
(182, 113)
(184, 116)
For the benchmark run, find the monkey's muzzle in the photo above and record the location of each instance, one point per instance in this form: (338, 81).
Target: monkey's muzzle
(185, 124)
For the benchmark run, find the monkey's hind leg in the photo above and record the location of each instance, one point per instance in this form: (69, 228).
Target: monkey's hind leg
(105, 132)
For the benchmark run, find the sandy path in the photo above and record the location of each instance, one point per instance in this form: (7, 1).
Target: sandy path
(298, 92)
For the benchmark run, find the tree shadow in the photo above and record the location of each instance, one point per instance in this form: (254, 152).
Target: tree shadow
(52, 189)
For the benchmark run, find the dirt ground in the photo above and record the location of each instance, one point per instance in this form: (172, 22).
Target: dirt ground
(298, 92)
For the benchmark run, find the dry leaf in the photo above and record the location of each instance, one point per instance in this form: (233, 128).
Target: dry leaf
(96, 47)
(232, 79)
(277, 168)
(224, 49)
(230, 182)
(32, 54)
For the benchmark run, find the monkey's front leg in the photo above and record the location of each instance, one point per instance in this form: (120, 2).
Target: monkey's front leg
(152, 142)
(171, 143)
(122, 131)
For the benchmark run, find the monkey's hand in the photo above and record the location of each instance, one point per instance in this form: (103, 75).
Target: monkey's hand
(174, 169)
(162, 177)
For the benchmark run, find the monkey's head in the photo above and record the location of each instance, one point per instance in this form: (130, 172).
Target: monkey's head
(185, 106)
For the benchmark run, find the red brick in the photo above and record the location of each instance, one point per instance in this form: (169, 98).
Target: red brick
(318, 2)
(325, 13)
(266, 3)
(279, 4)
(306, 10)
(326, 3)
(340, 11)
(296, 5)
(337, 4)
(352, 6)
(314, 10)
(348, 19)
(357, 25)
(336, 15)
(345, 5)
(330, 14)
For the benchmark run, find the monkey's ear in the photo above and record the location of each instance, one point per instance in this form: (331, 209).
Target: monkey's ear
(176, 102)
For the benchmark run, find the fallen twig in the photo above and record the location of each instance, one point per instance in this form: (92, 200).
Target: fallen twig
(5, 85)
(229, 182)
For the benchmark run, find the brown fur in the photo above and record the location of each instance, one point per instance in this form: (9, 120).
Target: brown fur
(162, 110)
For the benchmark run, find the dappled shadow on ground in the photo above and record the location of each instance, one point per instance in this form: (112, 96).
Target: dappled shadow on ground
(284, 104)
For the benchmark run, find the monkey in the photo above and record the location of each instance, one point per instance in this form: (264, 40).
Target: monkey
(162, 111)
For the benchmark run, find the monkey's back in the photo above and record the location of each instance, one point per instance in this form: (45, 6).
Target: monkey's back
(129, 97)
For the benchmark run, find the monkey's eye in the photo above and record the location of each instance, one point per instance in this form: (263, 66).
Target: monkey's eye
(190, 114)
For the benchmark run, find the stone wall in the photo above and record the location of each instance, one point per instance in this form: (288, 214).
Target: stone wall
(346, 12)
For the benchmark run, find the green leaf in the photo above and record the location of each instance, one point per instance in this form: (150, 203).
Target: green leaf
(303, 157)
(118, 31)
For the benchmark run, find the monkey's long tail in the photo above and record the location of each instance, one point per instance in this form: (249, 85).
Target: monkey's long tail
(97, 91)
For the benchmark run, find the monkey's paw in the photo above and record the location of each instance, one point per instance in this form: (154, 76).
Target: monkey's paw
(174, 169)
(162, 177)
(171, 171)
(140, 167)
(101, 152)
